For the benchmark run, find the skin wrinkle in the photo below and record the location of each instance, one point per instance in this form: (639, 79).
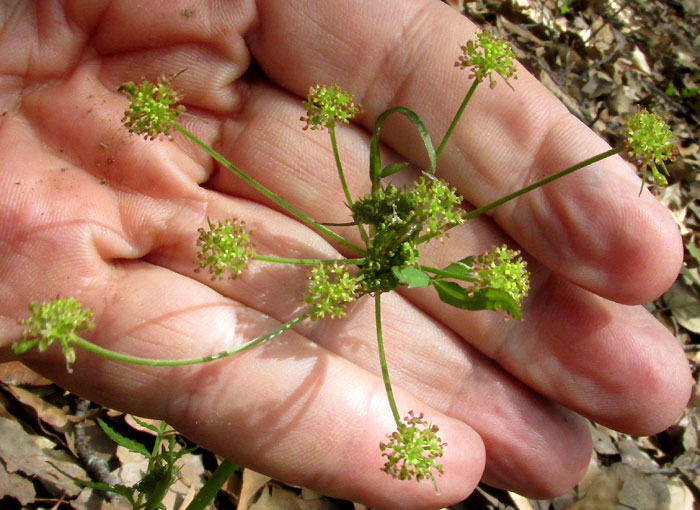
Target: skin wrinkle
(398, 64)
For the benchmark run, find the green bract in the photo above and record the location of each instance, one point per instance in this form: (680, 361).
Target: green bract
(58, 320)
(331, 287)
(225, 246)
(486, 55)
(326, 105)
(153, 109)
(650, 141)
(412, 450)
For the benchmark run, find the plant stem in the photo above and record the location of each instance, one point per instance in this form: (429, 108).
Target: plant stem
(540, 183)
(456, 118)
(527, 189)
(339, 166)
(269, 194)
(211, 488)
(308, 262)
(382, 360)
(343, 182)
(136, 360)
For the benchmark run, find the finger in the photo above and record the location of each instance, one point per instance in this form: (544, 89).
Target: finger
(591, 227)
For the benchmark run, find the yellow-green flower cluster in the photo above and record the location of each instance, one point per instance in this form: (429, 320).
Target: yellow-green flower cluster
(225, 246)
(503, 268)
(331, 287)
(650, 141)
(153, 109)
(326, 105)
(59, 320)
(488, 53)
(412, 450)
(437, 205)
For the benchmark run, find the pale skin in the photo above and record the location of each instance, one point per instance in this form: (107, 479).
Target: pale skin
(90, 211)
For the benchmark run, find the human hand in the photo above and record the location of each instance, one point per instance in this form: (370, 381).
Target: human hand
(91, 212)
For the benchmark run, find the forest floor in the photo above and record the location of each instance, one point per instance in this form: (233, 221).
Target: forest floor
(604, 60)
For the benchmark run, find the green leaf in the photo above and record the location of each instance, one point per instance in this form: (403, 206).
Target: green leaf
(460, 270)
(375, 163)
(122, 490)
(670, 89)
(127, 443)
(392, 169)
(411, 276)
(146, 425)
(690, 92)
(693, 250)
(478, 299)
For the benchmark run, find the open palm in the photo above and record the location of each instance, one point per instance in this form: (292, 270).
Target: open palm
(88, 210)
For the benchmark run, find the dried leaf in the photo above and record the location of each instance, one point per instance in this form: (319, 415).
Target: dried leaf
(684, 306)
(48, 413)
(16, 486)
(276, 497)
(251, 488)
(30, 454)
(14, 373)
(640, 61)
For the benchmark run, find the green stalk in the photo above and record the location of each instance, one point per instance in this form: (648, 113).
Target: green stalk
(382, 360)
(527, 189)
(308, 262)
(343, 182)
(456, 118)
(136, 360)
(540, 183)
(339, 166)
(212, 487)
(269, 194)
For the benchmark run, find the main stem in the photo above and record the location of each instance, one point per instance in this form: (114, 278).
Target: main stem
(382, 360)
(269, 194)
(136, 360)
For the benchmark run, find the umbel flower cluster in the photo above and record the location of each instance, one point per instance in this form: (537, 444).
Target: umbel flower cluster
(153, 109)
(392, 222)
(224, 247)
(651, 142)
(57, 321)
(413, 450)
